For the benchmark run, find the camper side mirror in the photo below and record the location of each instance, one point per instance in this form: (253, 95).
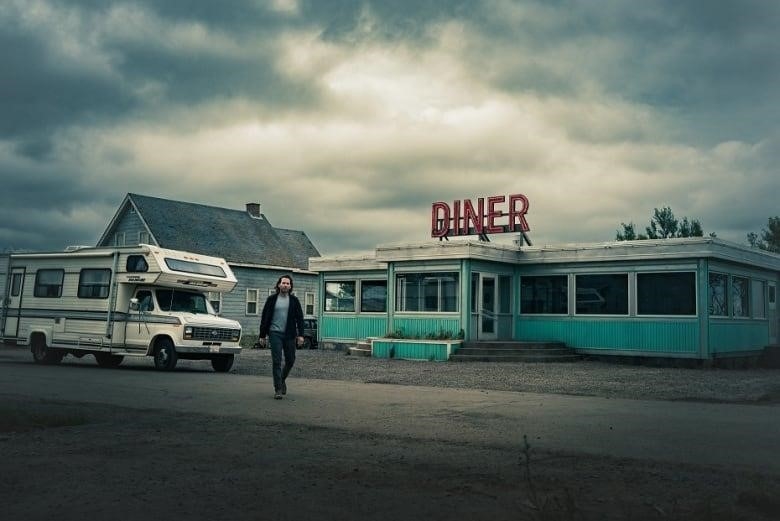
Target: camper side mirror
(134, 304)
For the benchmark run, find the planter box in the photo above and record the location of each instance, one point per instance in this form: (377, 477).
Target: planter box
(407, 349)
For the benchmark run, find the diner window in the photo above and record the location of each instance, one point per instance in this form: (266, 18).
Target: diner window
(719, 297)
(251, 302)
(504, 294)
(666, 293)
(428, 292)
(758, 298)
(308, 301)
(740, 294)
(48, 283)
(94, 283)
(605, 294)
(340, 296)
(544, 294)
(373, 296)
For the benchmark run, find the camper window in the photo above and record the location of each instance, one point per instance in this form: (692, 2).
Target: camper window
(16, 285)
(93, 283)
(136, 264)
(48, 283)
(145, 301)
(195, 267)
(186, 301)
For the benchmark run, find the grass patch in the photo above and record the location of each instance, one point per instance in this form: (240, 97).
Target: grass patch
(23, 418)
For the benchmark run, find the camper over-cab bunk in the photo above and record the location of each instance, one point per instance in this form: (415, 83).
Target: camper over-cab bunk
(119, 302)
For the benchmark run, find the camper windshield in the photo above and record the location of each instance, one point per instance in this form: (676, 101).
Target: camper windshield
(187, 301)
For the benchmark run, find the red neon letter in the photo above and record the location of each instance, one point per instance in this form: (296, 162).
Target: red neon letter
(492, 213)
(517, 215)
(440, 219)
(470, 215)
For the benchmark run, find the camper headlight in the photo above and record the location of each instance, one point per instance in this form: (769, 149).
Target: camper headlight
(236, 335)
(188, 333)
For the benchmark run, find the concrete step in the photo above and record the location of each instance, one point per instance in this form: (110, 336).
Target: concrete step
(361, 349)
(513, 351)
(508, 351)
(515, 358)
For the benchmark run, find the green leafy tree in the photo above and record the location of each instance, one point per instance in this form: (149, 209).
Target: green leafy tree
(663, 225)
(769, 239)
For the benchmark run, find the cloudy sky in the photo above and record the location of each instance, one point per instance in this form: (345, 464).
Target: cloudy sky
(348, 118)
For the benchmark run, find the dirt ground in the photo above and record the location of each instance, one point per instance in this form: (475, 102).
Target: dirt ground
(70, 461)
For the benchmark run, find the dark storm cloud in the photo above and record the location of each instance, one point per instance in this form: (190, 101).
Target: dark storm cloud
(713, 65)
(370, 110)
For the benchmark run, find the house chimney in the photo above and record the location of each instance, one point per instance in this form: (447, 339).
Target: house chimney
(253, 209)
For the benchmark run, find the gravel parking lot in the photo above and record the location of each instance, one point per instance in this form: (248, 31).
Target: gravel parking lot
(586, 378)
(583, 378)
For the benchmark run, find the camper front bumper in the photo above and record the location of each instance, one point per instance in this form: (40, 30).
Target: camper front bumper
(209, 349)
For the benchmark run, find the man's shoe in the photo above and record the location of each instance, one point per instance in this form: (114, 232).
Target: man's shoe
(278, 395)
(284, 388)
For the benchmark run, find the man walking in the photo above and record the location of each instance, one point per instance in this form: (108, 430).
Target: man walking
(282, 323)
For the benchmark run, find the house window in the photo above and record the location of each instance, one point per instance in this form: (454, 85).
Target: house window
(740, 294)
(119, 239)
(340, 296)
(545, 294)
(251, 302)
(94, 283)
(308, 303)
(373, 296)
(136, 264)
(605, 294)
(48, 283)
(143, 237)
(215, 299)
(719, 297)
(666, 293)
(758, 298)
(428, 292)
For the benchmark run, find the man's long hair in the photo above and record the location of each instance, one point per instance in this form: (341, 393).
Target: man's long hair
(280, 280)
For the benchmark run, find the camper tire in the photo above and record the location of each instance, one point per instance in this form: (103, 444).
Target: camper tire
(42, 354)
(108, 360)
(165, 356)
(222, 363)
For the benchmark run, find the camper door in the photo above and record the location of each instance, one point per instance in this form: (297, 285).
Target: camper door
(139, 327)
(16, 283)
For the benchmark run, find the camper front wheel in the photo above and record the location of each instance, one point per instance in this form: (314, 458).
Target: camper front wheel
(165, 357)
(43, 354)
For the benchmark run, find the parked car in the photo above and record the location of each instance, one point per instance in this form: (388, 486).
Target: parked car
(309, 335)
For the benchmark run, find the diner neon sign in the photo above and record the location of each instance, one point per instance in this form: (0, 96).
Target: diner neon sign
(462, 218)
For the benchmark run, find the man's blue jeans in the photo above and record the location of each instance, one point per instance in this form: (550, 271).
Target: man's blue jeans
(281, 346)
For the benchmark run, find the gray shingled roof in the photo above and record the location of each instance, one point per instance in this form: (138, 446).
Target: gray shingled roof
(232, 234)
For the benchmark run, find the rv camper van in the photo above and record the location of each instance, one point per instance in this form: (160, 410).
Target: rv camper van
(119, 302)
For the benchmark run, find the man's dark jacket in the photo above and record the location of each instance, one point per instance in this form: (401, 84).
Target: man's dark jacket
(294, 317)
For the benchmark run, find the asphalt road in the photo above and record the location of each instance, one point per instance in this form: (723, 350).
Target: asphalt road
(738, 436)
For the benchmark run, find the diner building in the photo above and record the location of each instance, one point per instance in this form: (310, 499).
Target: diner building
(697, 298)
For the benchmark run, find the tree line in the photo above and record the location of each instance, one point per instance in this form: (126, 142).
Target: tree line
(664, 225)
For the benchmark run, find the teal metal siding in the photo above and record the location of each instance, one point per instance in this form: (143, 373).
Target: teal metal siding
(734, 336)
(351, 327)
(658, 336)
(422, 326)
